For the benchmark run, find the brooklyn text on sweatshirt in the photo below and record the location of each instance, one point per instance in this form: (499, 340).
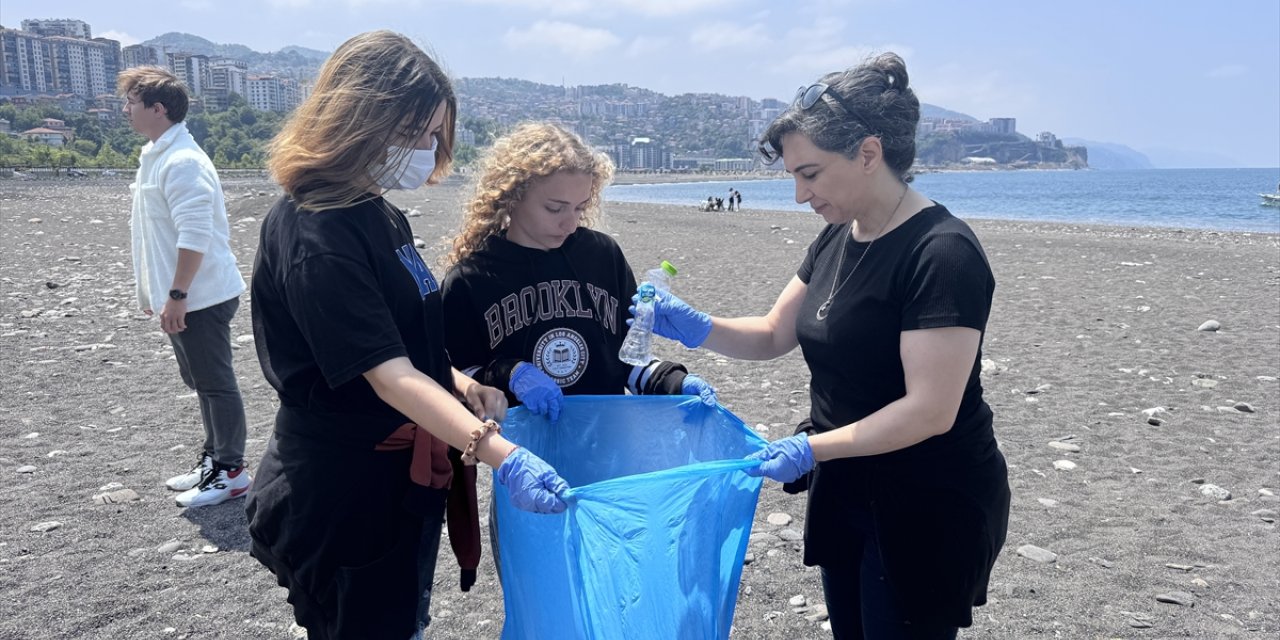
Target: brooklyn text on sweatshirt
(552, 299)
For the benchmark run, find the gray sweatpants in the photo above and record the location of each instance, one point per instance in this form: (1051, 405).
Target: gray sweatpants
(204, 360)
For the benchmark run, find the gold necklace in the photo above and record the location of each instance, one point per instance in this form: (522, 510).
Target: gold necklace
(825, 308)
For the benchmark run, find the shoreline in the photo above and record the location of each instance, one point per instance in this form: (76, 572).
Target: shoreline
(1058, 225)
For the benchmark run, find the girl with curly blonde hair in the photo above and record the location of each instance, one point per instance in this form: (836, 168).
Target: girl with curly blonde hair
(535, 301)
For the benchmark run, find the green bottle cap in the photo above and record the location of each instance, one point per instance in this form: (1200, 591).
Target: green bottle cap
(668, 267)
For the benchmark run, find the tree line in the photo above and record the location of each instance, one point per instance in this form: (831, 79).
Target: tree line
(234, 138)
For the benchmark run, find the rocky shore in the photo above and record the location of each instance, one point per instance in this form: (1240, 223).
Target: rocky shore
(1133, 374)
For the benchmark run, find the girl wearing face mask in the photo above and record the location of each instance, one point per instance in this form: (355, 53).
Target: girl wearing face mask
(347, 322)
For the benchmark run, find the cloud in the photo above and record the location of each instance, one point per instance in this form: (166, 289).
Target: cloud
(119, 36)
(1227, 71)
(817, 61)
(554, 7)
(659, 8)
(570, 39)
(669, 7)
(980, 93)
(720, 36)
(644, 46)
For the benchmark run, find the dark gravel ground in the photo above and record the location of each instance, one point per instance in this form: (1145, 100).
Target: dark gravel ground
(1091, 327)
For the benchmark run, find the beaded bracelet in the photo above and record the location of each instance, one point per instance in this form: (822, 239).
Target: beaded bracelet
(469, 454)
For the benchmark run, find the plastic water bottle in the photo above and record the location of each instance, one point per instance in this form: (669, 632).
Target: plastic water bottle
(637, 347)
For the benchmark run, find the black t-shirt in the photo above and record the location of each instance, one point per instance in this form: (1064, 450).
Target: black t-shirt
(336, 293)
(563, 310)
(927, 273)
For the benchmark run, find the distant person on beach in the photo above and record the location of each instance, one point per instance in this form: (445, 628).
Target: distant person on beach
(711, 204)
(908, 493)
(349, 330)
(737, 197)
(526, 243)
(184, 269)
(730, 198)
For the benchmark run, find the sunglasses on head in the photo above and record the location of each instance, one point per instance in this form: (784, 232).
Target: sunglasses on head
(808, 96)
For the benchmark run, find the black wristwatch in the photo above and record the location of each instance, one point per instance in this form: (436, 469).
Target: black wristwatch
(177, 294)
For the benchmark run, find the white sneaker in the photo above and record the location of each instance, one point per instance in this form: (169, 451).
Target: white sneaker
(191, 478)
(218, 486)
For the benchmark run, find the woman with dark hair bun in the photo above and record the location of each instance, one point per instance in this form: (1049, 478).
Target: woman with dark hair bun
(908, 492)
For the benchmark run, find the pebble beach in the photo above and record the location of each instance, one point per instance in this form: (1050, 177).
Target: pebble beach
(1134, 373)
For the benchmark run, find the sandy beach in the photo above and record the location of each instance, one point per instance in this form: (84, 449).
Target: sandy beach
(1143, 451)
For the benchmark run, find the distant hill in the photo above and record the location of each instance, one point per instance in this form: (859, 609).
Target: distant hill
(291, 60)
(932, 111)
(1109, 155)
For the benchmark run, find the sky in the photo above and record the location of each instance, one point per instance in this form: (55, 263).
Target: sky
(1194, 84)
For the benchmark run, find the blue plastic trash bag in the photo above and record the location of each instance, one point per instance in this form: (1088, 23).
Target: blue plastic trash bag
(652, 543)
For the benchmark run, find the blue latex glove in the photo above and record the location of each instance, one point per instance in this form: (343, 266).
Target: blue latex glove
(537, 391)
(532, 484)
(694, 385)
(676, 320)
(784, 460)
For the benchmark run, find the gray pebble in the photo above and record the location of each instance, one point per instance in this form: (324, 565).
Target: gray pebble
(791, 535)
(1064, 465)
(1047, 502)
(818, 613)
(1215, 492)
(1064, 446)
(749, 558)
(170, 546)
(1209, 325)
(797, 601)
(1244, 407)
(26, 468)
(1205, 383)
(1177, 597)
(1036, 553)
(117, 497)
(45, 527)
(779, 519)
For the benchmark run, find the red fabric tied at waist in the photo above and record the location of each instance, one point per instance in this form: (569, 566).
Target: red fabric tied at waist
(433, 465)
(430, 466)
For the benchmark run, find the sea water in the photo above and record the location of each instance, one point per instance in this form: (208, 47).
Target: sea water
(1220, 199)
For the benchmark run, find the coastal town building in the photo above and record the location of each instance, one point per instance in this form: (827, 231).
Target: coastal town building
(64, 27)
(31, 62)
(137, 55)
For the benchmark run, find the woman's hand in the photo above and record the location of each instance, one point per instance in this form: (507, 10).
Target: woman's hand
(537, 391)
(694, 385)
(784, 460)
(674, 319)
(488, 403)
(531, 483)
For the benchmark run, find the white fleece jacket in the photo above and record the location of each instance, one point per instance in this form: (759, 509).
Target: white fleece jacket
(178, 204)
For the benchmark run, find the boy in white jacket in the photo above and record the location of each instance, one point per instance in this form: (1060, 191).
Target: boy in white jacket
(185, 270)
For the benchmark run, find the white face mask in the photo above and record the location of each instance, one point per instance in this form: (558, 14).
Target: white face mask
(411, 170)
